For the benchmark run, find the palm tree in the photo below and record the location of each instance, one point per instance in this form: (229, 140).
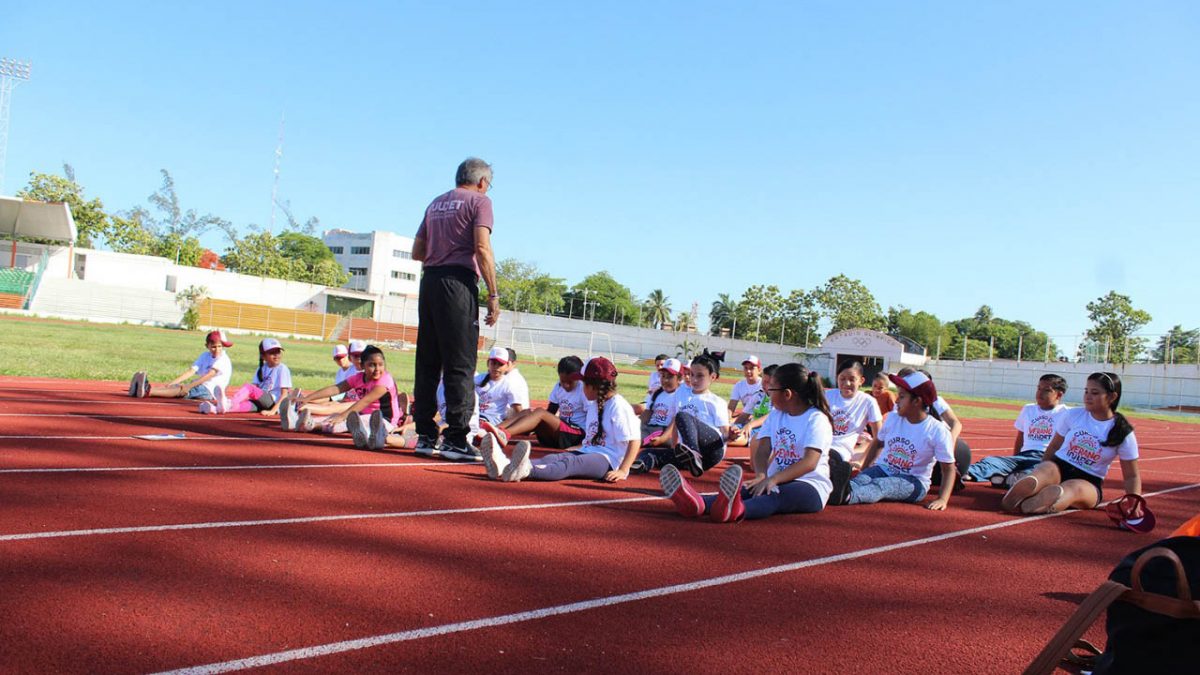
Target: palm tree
(723, 313)
(658, 308)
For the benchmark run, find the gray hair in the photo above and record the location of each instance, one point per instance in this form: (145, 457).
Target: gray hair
(473, 170)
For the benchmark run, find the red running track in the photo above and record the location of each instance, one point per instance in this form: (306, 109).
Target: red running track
(255, 547)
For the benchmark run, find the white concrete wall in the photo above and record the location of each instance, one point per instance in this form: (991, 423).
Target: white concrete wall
(1143, 384)
(74, 299)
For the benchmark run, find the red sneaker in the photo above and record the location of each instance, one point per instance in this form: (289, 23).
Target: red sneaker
(688, 502)
(728, 508)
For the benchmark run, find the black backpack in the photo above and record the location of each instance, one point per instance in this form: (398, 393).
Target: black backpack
(1153, 621)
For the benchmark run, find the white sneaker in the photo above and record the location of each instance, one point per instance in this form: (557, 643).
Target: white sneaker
(355, 426)
(221, 403)
(493, 457)
(520, 466)
(207, 408)
(377, 437)
(304, 421)
(287, 415)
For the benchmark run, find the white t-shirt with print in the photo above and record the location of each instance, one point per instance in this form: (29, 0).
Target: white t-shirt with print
(572, 405)
(1037, 426)
(1082, 437)
(273, 380)
(621, 426)
(790, 435)
(748, 394)
(497, 396)
(441, 406)
(224, 367)
(707, 407)
(662, 407)
(913, 449)
(850, 417)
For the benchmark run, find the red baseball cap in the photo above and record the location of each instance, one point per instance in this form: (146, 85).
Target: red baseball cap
(672, 366)
(917, 384)
(218, 336)
(1131, 513)
(597, 368)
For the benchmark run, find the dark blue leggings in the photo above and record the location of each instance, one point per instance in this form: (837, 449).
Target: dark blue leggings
(794, 497)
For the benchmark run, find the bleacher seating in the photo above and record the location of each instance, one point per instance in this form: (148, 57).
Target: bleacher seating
(15, 281)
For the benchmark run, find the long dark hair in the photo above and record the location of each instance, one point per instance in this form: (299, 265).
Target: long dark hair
(1111, 384)
(806, 383)
(260, 360)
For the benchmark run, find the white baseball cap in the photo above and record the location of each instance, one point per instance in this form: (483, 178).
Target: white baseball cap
(498, 354)
(752, 360)
(357, 346)
(673, 366)
(269, 344)
(340, 351)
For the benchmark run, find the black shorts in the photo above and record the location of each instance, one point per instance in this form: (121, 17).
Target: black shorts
(569, 436)
(1071, 472)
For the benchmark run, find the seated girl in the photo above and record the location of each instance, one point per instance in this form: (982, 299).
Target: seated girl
(560, 426)
(911, 442)
(374, 413)
(743, 434)
(695, 438)
(610, 444)
(855, 415)
(791, 465)
(212, 369)
(1086, 441)
(272, 382)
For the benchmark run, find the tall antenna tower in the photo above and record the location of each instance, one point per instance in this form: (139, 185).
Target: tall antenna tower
(275, 186)
(11, 72)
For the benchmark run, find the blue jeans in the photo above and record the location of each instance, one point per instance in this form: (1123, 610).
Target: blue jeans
(1003, 465)
(794, 497)
(874, 484)
(199, 393)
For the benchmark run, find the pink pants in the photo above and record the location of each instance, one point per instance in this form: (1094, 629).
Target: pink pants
(242, 400)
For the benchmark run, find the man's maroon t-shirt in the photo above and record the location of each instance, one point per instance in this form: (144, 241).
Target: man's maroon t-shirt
(449, 228)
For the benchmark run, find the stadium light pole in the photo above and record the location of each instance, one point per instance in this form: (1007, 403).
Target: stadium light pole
(11, 73)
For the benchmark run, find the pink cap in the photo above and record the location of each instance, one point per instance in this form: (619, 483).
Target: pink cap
(357, 346)
(339, 351)
(269, 344)
(498, 354)
(753, 360)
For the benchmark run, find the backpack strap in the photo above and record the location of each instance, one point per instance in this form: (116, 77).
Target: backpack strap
(1180, 607)
(1067, 637)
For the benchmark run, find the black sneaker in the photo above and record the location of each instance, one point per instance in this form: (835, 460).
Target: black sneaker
(427, 447)
(455, 453)
(687, 458)
(839, 475)
(641, 465)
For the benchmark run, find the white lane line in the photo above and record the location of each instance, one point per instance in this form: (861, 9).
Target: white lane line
(314, 519)
(252, 467)
(136, 401)
(571, 608)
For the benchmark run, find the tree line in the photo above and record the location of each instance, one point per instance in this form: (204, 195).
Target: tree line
(163, 227)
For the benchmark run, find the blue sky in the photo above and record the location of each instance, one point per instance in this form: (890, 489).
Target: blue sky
(1027, 155)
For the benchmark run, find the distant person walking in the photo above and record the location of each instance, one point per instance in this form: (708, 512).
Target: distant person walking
(454, 245)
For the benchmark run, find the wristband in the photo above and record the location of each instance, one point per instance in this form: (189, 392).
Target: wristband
(493, 296)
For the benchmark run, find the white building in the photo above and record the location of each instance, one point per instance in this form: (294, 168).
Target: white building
(378, 262)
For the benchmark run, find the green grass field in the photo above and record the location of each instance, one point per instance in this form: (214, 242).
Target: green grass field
(97, 351)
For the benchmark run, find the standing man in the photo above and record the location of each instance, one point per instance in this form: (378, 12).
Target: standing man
(454, 245)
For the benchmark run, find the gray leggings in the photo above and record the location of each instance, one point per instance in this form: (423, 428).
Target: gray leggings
(873, 484)
(560, 465)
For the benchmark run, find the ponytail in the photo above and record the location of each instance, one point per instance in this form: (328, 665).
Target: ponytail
(1111, 384)
(260, 362)
(604, 388)
(806, 383)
